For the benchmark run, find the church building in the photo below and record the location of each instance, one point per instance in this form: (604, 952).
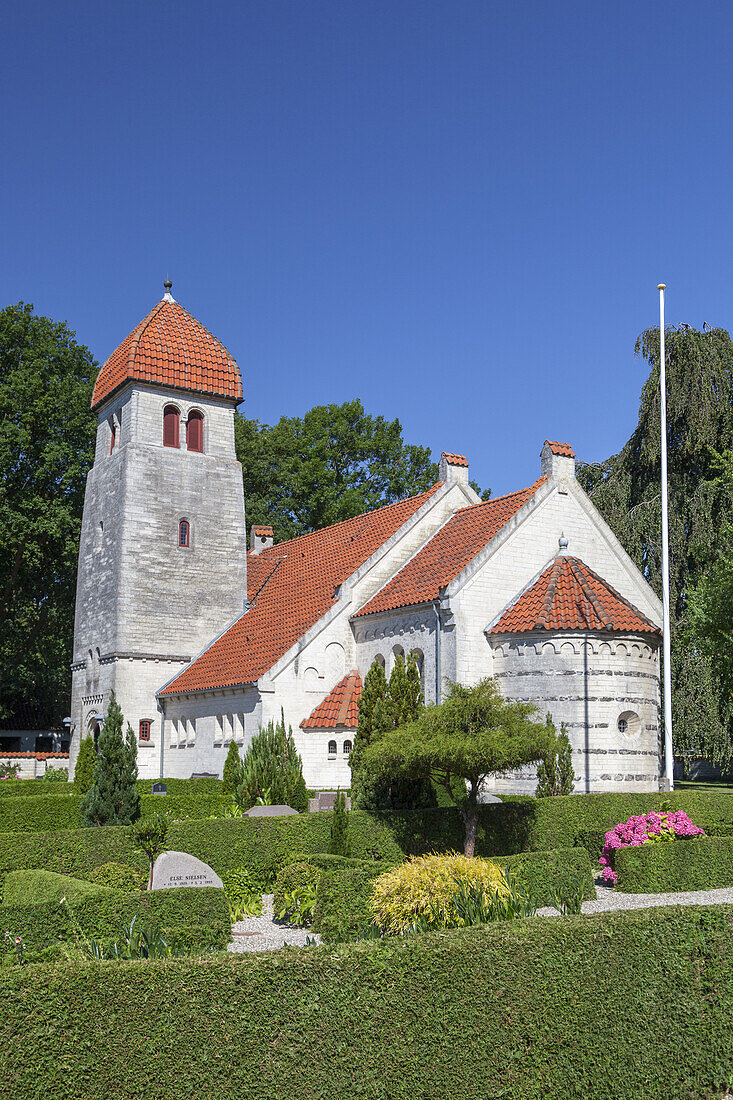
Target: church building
(204, 640)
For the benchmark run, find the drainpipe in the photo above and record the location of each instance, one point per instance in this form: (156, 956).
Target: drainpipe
(438, 678)
(161, 708)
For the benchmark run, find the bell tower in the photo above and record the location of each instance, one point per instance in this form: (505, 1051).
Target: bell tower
(162, 557)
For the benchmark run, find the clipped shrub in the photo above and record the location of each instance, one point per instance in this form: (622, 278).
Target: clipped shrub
(41, 887)
(425, 885)
(290, 878)
(547, 875)
(85, 762)
(148, 835)
(232, 767)
(342, 910)
(339, 844)
(642, 829)
(118, 876)
(705, 864)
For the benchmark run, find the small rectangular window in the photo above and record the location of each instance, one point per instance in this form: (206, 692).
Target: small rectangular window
(113, 434)
(144, 729)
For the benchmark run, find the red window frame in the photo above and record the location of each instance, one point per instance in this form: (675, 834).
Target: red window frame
(195, 432)
(171, 426)
(184, 534)
(144, 730)
(113, 434)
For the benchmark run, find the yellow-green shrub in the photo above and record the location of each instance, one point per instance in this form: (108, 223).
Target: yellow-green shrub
(426, 884)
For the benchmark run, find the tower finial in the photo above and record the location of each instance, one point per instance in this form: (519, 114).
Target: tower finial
(168, 297)
(563, 543)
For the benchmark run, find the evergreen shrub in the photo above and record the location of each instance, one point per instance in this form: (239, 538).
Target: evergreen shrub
(39, 887)
(704, 863)
(85, 763)
(342, 901)
(518, 1010)
(118, 876)
(112, 798)
(63, 811)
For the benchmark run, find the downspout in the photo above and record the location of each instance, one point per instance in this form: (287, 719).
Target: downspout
(161, 706)
(438, 679)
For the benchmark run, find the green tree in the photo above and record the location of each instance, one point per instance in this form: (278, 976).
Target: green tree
(149, 835)
(555, 774)
(387, 705)
(340, 842)
(272, 770)
(232, 769)
(47, 434)
(85, 763)
(473, 734)
(626, 490)
(112, 798)
(333, 463)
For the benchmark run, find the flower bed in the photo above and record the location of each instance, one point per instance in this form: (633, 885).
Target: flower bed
(652, 828)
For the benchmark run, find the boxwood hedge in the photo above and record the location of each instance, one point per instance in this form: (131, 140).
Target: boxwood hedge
(188, 918)
(63, 810)
(624, 1006)
(701, 863)
(31, 788)
(261, 845)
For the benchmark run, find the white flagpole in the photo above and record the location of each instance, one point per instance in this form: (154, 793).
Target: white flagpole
(666, 643)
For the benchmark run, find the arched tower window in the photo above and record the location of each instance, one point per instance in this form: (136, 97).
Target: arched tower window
(184, 533)
(171, 420)
(347, 747)
(195, 431)
(332, 748)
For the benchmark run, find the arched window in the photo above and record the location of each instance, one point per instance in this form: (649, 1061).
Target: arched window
(332, 748)
(195, 431)
(379, 660)
(347, 748)
(184, 533)
(171, 419)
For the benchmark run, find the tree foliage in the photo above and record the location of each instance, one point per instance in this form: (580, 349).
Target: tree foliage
(387, 705)
(626, 490)
(555, 774)
(340, 842)
(85, 764)
(47, 433)
(232, 766)
(112, 798)
(473, 734)
(271, 772)
(149, 835)
(337, 461)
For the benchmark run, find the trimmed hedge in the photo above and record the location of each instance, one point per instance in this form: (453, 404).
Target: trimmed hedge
(342, 903)
(625, 1006)
(44, 887)
(302, 869)
(261, 845)
(186, 917)
(540, 872)
(45, 812)
(521, 824)
(30, 788)
(695, 863)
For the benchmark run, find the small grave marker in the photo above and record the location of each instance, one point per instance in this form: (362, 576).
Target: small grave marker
(160, 788)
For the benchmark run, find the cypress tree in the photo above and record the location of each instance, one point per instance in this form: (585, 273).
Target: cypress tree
(232, 769)
(112, 798)
(340, 842)
(626, 490)
(85, 762)
(555, 774)
(272, 770)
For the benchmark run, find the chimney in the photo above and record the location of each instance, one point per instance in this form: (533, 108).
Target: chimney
(260, 538)
(453, 468)
(558, 461)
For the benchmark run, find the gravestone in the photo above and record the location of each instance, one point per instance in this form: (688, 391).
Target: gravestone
(269, 811)
(160, 788)
(174, 869)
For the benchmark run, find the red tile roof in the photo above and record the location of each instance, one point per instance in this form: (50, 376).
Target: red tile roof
(170, 347)
(455, 460)
(290, 587)
(339, 708)
(563, 449)
(262, 530)
(448, 552)
(570, 596)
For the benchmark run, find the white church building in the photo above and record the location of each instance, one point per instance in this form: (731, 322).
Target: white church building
(204, 641)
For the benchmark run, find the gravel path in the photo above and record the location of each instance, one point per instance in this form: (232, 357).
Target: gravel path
(263, 934)
(608, 900)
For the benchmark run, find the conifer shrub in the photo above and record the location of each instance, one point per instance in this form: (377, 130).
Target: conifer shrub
(340, 843)
(271, 772)
(118, 876)
(85, 763)
(555, 774)
(425, 886)
(112, 798)
(232, 768)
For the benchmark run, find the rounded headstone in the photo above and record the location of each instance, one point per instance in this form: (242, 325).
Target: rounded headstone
(174, 869)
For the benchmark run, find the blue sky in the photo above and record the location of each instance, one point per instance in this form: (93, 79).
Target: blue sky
(457, 211)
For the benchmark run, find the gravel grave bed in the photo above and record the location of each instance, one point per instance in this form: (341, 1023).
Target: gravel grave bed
(264, 934)
(608, 900)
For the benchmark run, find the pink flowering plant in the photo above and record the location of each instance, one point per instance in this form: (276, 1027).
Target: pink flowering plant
(654, 828)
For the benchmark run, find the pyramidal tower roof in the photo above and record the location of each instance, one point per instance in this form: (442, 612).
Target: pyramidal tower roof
(170, 348)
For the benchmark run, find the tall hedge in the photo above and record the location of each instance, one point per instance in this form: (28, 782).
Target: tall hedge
(700, 863)
(43, 812)
(624, 1006)
(261, 845)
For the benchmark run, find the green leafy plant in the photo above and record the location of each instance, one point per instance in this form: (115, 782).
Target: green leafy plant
(9, 771)
(56, 775)
(14, 945)
(113, 798)
(568, 897)
(245, 900)
(555, 775)
(340, 843)
(149, 836)
(299, 904)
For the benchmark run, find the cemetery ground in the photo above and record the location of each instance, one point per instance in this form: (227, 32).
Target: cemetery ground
(112, 990)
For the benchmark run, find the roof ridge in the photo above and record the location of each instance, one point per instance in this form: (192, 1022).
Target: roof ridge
(555, 570)
(349, 519)
(588, 592)
(137, 335)
(177, 322)
(496, 500)
(616, 594)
